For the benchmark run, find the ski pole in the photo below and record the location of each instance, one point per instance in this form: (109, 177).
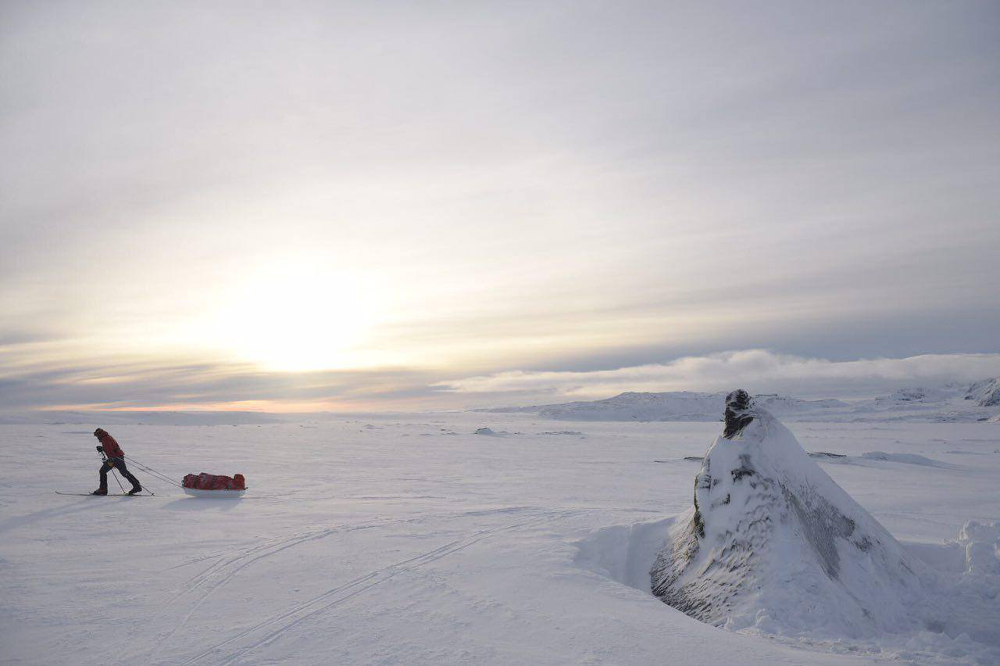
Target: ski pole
(113, 471)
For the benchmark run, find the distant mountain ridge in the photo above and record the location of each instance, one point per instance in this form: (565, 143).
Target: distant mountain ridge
(952, 402)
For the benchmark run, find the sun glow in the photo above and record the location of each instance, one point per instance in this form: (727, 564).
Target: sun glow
(300, 318)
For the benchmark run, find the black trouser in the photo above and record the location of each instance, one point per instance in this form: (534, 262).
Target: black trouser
(119, 464)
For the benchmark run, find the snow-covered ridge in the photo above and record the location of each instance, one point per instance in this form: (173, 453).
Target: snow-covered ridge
(986, 393)
(952, 402)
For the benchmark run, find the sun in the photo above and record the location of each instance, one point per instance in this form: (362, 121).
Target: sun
(298, 318)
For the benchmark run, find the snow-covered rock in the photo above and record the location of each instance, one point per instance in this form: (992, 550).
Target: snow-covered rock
(490, 432)
(773, 542)
(986, 393)
(982, 547)
(915, 394)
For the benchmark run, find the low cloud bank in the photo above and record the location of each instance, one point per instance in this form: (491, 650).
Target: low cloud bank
(757, 370)
(207, 386)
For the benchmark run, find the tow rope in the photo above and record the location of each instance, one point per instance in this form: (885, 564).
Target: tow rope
(150, 470)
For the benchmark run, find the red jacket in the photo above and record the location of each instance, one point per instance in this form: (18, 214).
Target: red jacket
(111, 448)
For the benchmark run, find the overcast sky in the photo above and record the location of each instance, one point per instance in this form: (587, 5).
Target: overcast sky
(318, 205)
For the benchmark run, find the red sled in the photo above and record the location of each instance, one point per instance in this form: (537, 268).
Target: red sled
(214, 485)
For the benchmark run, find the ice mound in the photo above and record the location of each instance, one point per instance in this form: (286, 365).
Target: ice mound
(982, 549)
(773, 543)
(907, 458)
(490, 432)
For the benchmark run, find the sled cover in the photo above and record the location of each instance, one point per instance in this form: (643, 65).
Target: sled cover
(205, 481)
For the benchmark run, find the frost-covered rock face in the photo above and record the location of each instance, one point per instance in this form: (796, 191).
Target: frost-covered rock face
(773, 542)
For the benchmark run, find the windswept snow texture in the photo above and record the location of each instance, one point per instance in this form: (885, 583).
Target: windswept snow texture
(417, 542)
(953, 402)
(774, 544)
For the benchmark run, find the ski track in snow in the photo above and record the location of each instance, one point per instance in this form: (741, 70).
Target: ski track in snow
(301, 612)
(228, 565)
(223, 571)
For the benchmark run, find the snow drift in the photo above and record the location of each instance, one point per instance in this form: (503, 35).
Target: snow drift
(773, 543)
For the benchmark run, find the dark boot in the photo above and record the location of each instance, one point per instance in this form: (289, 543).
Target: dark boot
(136, 486)
(100, 491)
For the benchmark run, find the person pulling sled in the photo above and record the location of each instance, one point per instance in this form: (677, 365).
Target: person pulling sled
(114, 459)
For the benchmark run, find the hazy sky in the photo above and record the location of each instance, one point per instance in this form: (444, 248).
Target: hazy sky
(319, 205)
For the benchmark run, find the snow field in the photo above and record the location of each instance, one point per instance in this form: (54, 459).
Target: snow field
(410, 540)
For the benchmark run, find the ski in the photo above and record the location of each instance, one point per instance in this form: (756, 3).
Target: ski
(108, 495)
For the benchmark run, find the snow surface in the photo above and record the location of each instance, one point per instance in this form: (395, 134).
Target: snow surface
(410, 540)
